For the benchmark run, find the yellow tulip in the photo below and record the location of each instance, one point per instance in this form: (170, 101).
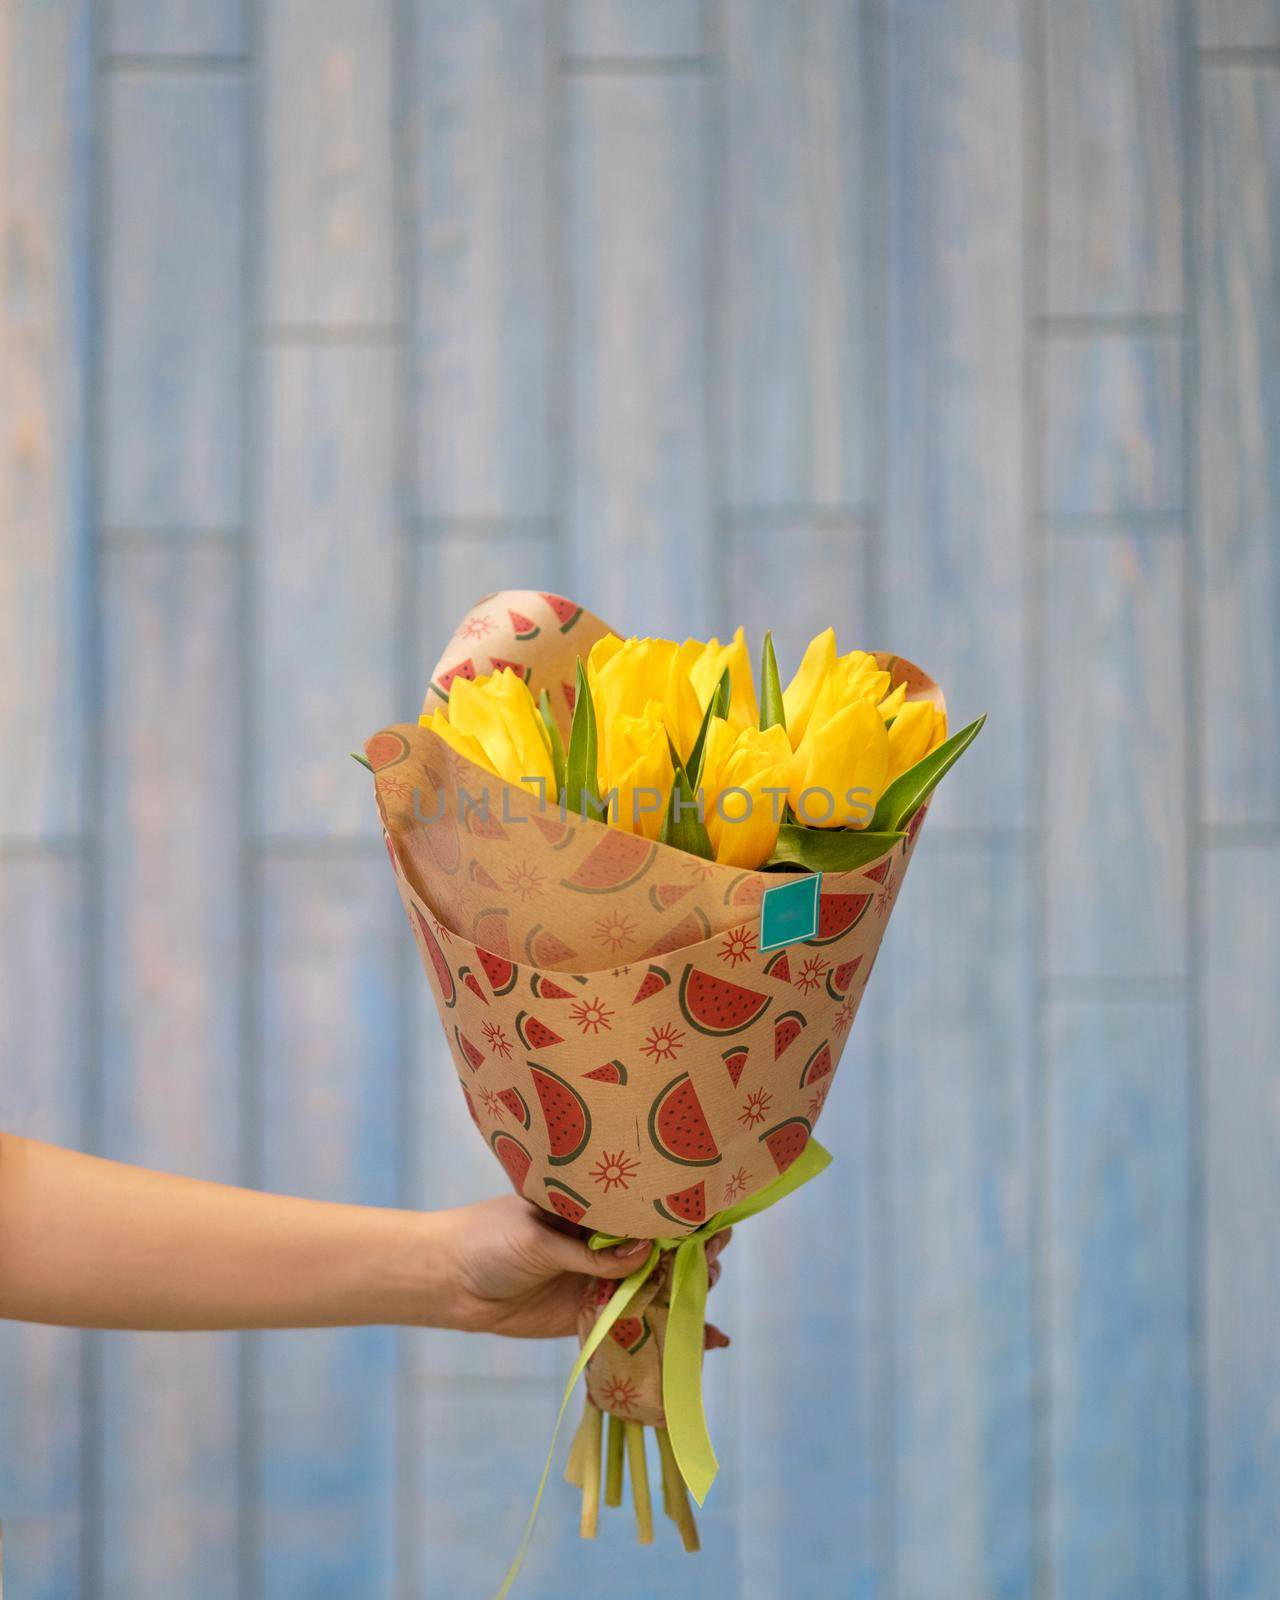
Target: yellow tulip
(799, 696)
(497, 717)
(635, 771)
(626, 676)
(918, 728)
(755, 765)
(705, 665)
(839, 768)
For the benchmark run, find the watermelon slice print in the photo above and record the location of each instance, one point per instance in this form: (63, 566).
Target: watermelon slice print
(678, 1125)
(471, 1105)
(777, 966)
(444, 978)
(535, 1035)
(691, 929)
(818, 1066)
(839, 978)
(687, 1207)
(632, 1333)
(785, 1141)
(662, 896)
(566, 613)
(716, 1006)
(467, 977)
(546, 949)
(385, 749)
(545, 988)
(610, 1072)
(482, 824)
(514, 1157)
(517, 1105)
(566, 1202)
(480, 874)
(735, 1060)
(470, 1054)
(523, 627)
(565, 1113)
(501, 664)
(570, 693)
(500, 972)
(837, 913)
(464, 669)
(653, 982)
(556, 833)
(619, 860)
(786, 1030)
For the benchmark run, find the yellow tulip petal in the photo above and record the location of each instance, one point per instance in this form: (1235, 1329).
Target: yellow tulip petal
(917, 729)
(799, 695)
(839, 770)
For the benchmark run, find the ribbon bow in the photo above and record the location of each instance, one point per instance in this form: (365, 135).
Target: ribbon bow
(682, 1350)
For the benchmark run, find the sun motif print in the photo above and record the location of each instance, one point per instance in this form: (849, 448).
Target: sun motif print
(614, 1170)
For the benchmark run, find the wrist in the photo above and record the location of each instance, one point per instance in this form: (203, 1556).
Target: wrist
(414, 1281)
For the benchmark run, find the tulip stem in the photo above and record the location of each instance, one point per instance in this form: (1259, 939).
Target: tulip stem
(675, 1497)
(591, 1474)
(634, 1432)
(613, 1463)
(573, 1465)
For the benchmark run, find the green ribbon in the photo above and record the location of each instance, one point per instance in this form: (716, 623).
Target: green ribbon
(682, 1349)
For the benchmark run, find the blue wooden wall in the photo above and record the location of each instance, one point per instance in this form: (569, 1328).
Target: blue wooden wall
(956, 322)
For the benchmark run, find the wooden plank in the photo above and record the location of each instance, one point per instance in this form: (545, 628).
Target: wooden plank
(1238, 522)
(330, 939)
(639, 479)
(173, 315)
(42, 1046)
(1241, 955)
(456, 569)
(1116, 745)
(1122, 1386)
(801, 369)
(636, 30)
(822, 569)
(44, 280)
(960, 1082)
(326, 575)
(811, 1489)
(955, 570)
(481, 286)
(1238, 25)
(1115, 158)
(1113, 425)
(176, 27)
(328, 248)
(171, 1057)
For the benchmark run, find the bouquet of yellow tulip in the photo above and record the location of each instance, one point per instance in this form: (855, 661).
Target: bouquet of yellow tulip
(648, 895)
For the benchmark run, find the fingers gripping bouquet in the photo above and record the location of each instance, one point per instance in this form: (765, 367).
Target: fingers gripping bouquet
(648, 892)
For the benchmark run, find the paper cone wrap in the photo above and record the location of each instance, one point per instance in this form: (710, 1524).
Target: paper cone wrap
(632, 1058)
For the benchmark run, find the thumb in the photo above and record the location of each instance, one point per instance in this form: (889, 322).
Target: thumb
(574, 1255)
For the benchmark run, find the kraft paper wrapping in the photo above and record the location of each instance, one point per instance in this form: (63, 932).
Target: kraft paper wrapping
(630, 1055)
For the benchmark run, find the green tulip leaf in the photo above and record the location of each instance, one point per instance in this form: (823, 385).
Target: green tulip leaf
(687, 831)
(555, 744)
(361, 760)
(830, 849)
(772, 711)
(581, 781)
(717, 706)
(908, 792)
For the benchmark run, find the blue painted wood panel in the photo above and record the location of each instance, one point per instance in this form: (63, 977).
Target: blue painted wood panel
(802, 366)
(1116, 778)
(1121, 1395)
(479, 254)
(44, 286)
(170, 1062)
(326, 205)
(1242, 1193)
(167, 28)
(960, 1172)
(173, 300)
(1115, 157)
(327, 570)
(636, 30)
(329, 1053)
(1238, 250)
(796, 576)
(638, 475)
(1237, 25)
(957, 402)
(42, 1040)
(1113, 425)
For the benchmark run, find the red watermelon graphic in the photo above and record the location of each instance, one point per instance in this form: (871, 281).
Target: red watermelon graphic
(535, 1035)
(438, 963)
(653, 982)
(514, 1157)
(565, 1113)
(610, 1072)
(818, 1066)
(786, 1030)
(735, 1060)
(716, 1006)
(500, 972)
(566, 613)
(616, 862)
(785, 1141)
(566, 1202)
(517, 1105)
(678, 1125)
(687, 1207)
(837, 913)
(523, 627)
(470, 1054)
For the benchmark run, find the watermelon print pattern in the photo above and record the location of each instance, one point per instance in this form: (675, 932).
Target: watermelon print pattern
(627, 1052)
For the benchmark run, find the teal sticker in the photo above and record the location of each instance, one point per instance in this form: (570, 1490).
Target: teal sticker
(789, 912)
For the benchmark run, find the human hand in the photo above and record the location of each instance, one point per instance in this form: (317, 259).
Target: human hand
(512, 1269)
